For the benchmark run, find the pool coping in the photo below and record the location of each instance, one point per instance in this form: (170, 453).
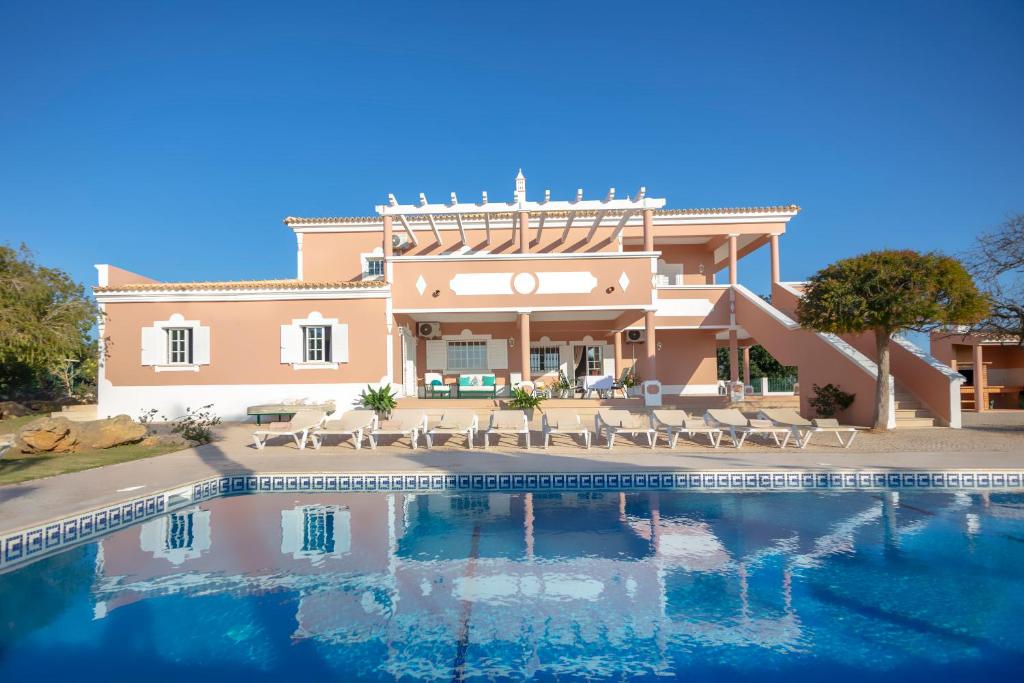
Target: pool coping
(24, 545)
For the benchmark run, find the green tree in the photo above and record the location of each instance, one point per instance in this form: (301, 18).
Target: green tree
(886, 292)
(46, 319)
(762, 364)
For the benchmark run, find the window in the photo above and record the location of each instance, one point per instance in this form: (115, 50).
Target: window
(318, 529)
(544, 359)
(179, 345)
(374, 267)
(594, 361)
(316, 344)
(180, 531)
(467, 355)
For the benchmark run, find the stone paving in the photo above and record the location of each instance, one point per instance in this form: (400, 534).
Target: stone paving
(993, 441)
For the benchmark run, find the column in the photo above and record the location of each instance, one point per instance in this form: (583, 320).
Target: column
(734, 365)
(732, 259)
(980, 403)
(618, 353)
(524, 344)
(746, 366)
(648, 229)
(388, 248)
(775, 259)
(650, 371)
(524, 232)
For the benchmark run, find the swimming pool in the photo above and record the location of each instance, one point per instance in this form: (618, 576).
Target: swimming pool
(910, 585)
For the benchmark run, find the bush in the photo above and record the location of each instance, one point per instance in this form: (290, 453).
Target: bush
(197, 425)
(524, 400)
(830, 400)
(380, 400)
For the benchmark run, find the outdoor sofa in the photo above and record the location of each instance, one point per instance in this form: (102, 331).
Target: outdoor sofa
(474, 385)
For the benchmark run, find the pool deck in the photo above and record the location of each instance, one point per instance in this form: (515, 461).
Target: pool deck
(995, 447)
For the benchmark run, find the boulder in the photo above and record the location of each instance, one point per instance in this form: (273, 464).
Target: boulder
(13, 409)
(164, 440)
(60, 435)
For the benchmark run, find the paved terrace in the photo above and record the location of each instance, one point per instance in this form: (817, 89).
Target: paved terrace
(991, 441)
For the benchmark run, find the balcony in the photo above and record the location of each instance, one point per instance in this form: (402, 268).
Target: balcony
(692, 306)
(512, 282)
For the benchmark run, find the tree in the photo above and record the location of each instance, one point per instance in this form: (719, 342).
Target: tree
(45, 320)
(762, 364)
(997, 263)
(886, 292)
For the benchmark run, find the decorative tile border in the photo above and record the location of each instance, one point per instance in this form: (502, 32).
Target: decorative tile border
(27, 545)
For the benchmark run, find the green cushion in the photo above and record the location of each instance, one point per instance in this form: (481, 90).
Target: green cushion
(489, 380)
(464, 380)
(436, 382)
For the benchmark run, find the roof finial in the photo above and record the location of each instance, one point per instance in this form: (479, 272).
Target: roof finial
(520, 195)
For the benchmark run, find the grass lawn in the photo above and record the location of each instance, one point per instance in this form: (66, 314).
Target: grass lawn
(18, 467)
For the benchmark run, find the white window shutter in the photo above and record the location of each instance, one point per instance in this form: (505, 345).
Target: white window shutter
(437, 354)
(201, 345)
(291, 344)
(608, 360)
(339, 343)
(497, 354)
(154, 346)
(565, 360)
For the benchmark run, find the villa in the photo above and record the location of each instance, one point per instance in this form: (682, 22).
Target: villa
(473, 298)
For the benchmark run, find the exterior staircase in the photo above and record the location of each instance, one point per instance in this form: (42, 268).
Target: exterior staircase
(910, 412)
(77, 413)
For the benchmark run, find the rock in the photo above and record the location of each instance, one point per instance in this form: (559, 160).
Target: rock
(13, 409)
(60, 435)
(163, 440)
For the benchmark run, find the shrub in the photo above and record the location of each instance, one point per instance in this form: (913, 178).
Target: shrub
(830, 400)
(381, 400)
(524, 400)
(196, 425)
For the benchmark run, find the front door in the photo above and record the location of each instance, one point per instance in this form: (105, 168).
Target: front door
(409, 364)
(591, 361)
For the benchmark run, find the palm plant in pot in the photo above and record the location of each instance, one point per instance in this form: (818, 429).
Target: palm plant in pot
(525, 401)
(563, 387)
(380, 400)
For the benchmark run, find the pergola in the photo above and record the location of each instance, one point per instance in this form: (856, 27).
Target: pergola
(519, 212)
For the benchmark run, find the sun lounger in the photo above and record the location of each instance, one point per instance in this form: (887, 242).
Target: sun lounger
(563, 422)
(299, 428)
(736, 423)
(354, 423)
(508, 422)
(409, 423)
(676, 422)
(614, 422)
(802, 428)
(455, 422)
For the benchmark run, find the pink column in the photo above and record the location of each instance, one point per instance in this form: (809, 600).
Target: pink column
(650, 348)
(388, 249)
(618, 353)
(775, 259)
(734, 365)
(746, 366)
(732, 260)
(980, 403)
(524, 344)
(524, 232)
(648, 229)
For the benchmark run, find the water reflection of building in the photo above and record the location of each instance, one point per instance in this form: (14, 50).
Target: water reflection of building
(424, 573)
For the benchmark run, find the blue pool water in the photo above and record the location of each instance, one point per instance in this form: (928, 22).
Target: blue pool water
(774, 586)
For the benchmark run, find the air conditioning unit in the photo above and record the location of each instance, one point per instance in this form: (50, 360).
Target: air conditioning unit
(400, 242)
(636, 336)
(428, 330)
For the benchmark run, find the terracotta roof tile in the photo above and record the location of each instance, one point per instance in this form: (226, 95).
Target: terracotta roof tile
(237, 285)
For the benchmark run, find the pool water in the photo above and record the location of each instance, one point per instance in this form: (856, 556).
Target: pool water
(703, 586)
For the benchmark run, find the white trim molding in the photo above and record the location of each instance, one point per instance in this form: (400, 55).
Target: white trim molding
(174, 296)
(551, 256)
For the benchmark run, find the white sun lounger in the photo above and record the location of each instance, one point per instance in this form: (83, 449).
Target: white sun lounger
(563, 422)
(455, 422)
(802, 428)
(299, 428)
(676, 422)
(409, 423)
(354, 423)
(614, 422)
(733, 421)
(508, 422)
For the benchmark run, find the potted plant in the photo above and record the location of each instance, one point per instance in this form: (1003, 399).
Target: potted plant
(380, 400)
(631, 380)
(563, 387)
(525, 401)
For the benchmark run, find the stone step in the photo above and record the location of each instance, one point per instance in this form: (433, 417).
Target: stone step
(913, 412)
(79, 413)
(914, 422)
(80, 408)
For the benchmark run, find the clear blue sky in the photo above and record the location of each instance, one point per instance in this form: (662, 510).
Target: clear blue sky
(172, 138)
